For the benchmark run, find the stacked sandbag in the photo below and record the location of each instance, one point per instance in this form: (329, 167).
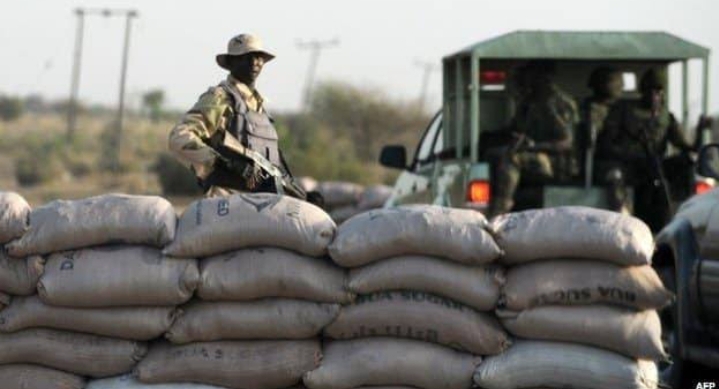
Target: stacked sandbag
(426, 291)
(341, 199)
(14, 212)
(104, 290)
(266, 291)
(581, 297)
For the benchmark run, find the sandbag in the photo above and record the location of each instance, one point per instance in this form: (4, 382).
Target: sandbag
(271, 272)
(581, 282)
(127, 381)
(220, 224)
(259, 364)
(112, 276)
(573, 232)
(374, 197)
(307, 183)
(14, 212)
(390, 361)
(38, 377)
(4, 300)
(83, 354)
(626, 331)
(474, 286)
(112, 218)
(531, 364)
(136, 323)
(203, 321)
(342, 214)
(19, 276)
(456, 234)
(337, 194)
(421, 316)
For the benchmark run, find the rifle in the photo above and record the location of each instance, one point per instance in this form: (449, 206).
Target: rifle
(591, 150)
(255, 165)
(652, 157)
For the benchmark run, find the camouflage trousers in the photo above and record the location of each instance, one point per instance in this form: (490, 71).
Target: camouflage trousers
(509, 168)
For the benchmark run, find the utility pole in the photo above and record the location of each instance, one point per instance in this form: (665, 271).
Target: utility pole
(75, 83)
(315, 47)
(81, 13)
(427, 69)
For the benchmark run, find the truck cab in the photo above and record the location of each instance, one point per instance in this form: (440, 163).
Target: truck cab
(450, 166)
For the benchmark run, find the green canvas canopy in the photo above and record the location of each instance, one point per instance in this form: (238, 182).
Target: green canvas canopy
(586, 45)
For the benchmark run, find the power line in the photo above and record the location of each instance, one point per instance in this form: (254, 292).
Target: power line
(315, 47)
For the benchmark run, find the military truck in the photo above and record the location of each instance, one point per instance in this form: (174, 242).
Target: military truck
(450, 166)
(689, 267)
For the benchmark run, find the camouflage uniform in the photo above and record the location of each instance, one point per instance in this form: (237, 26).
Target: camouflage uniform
(547, 122)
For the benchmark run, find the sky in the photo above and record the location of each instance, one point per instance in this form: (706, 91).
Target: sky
(174, 43)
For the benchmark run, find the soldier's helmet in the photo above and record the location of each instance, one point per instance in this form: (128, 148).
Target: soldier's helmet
(241, 45)
(600, 77)
(651, 80)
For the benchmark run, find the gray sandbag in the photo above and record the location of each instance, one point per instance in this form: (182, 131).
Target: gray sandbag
(374, 197)
(390, 361)
(14, 212)
(573, 232)
(581, 282)
(107, 219)
(342, 214)
(111, 276)
(531, 364)
(134, 323)
(254, 364)
(83, 354)
(632, 333)
(4, 300)
(474, 286)
(204, 321)
(128, 381)
(421, 316)
(456, 234)
(19, 276)
(338, 194)
(217, 225)
(271, 272)
(22, 376)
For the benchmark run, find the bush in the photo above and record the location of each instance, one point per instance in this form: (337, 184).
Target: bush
(174, 178)
(11, 108)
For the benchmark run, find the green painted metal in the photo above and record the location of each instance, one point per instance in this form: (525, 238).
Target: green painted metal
(474, 100)
(586, 45)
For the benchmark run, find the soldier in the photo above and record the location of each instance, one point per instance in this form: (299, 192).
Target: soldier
(542, 130)
(236, 108)
(635, 140)
(607, 85)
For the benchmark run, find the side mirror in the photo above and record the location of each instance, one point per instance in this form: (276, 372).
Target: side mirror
(708, 164)
(394, 157)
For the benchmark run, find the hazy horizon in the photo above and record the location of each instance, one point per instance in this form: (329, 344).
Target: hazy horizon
(174, 42)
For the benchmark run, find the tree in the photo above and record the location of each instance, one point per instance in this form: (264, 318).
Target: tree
(11, 108)
(152, 102)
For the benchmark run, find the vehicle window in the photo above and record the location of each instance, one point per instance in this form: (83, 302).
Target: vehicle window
(424, 152)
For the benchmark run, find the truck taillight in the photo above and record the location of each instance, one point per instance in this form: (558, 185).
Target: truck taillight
(478, 192)
(702, 187)
(492, 77)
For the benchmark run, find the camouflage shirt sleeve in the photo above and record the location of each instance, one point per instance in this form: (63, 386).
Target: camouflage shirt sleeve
(189, 139)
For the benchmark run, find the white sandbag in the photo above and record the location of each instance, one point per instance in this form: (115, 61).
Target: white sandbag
(111, 276)
(14, 213)
(421, 316)
(573, 232)
(374, 197)
(112, 218)
(337, 193)
(216, 225)
(19, 276)
(136, 323)
(259, 364)
(127, 381)
(456, 234)
(632, 333)
(390, 361)
(83, 354)
(581, 282)
(37, 377)
(532, 364)
(204, 321)
(271, 272)
(474, 286)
